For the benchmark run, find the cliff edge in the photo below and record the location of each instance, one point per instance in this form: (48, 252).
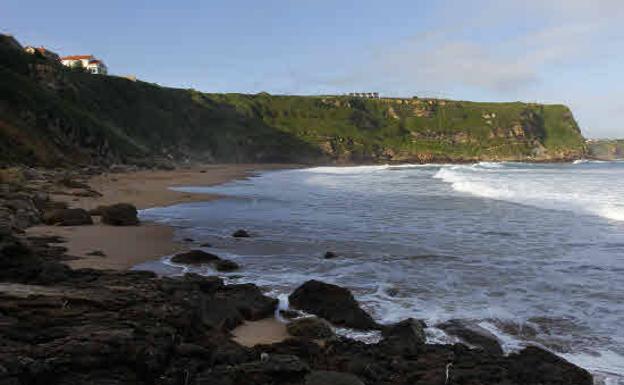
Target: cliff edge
(53, 116)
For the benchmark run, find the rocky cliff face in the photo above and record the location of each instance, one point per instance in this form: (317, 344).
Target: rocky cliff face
(605, 149)
(54, 116)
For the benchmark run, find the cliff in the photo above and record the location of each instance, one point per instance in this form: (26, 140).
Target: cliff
(50, 115)
(605, 149)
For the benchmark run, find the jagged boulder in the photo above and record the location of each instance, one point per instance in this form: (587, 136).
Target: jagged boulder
(533, 365)
(330, 255)
(240, 233)
(472, 335)
(194, 257)
(310, 327)
(332, 302)
(235, 304)
(405, 337)
(120, 214)
(226, 265)
(67, 217)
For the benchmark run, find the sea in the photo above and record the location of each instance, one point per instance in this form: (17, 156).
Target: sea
(533, 253)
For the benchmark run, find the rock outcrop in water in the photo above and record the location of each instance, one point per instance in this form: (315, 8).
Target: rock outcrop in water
(472, 335)
(198, 257)
(333, 303)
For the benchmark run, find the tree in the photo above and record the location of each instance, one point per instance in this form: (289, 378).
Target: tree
(77, 66)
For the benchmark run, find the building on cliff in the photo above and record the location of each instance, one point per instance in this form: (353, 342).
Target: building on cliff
(366, 95)
(44, 52)
(88, 62)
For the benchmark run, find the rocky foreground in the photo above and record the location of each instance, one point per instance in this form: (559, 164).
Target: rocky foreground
(63, 326)
(86, 326)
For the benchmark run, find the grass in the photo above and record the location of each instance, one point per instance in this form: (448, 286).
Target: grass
(77, 117)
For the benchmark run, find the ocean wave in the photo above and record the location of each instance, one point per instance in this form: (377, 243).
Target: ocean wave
(496, 165)
(587, 193)
(368, 169)
(345, 169)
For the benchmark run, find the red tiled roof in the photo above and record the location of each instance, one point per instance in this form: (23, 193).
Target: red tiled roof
(95, 61)
(77, 57)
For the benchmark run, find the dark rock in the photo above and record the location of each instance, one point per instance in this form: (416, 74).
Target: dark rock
(250, 301)
(334, 303)
(206, 244)
(533, 366)
(47, 239)
(275, 363)
(473, 335)
(192, 350)
(67, 217)
(195, 257)
(191, 282)
(322, 377)
(290, 314)
(330, 255)
(240, 234)
(52, 272)
(72, 183)
(188, 240)
(96, 253)
(405, 337)
(304, 348)
(226, 265)
(392, 291)
(6, 222)
(86, 194)
(310, 327)
(97, 211)
(120, 214)
(276, 369)
(233, 305)
(62, 326)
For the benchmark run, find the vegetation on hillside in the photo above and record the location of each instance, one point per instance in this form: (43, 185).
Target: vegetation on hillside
(50, 115)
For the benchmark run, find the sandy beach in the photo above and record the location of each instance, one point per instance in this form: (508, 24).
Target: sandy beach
(122, 248)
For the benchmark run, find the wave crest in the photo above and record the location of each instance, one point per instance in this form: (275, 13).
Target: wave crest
(585, 193)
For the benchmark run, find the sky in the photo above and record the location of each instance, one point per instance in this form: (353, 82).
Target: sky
(549, 51)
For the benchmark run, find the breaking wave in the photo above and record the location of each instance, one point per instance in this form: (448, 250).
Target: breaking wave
(586, 191)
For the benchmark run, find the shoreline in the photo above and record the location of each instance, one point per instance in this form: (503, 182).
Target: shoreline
(123, 247)
(145, 189)
(254, 330)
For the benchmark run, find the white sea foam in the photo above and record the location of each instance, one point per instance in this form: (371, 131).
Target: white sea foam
(606, 366)
(544, 188)
(345, 170)
(589, 161)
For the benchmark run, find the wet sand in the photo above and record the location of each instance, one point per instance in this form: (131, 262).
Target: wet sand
(266, 331)
(125, 247)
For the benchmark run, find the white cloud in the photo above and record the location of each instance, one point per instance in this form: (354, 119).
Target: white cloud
(506, 49)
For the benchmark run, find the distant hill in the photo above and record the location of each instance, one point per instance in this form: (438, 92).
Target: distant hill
(51, 115)
(605, 149)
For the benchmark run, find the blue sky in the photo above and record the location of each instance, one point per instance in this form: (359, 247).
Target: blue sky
(553, 51)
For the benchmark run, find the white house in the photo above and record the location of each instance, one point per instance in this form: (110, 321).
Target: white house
(88, 62)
